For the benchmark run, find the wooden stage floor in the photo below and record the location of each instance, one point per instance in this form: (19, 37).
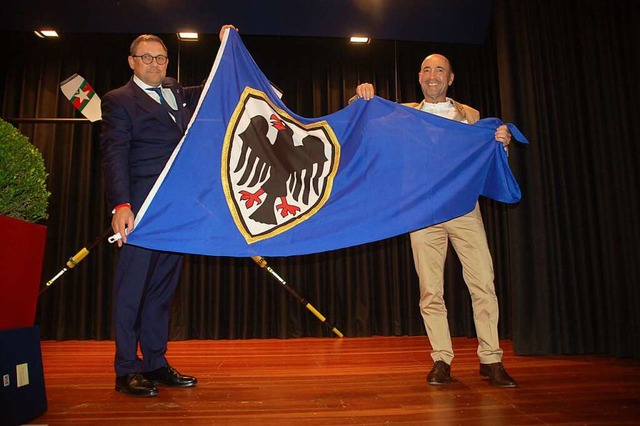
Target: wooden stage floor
(331, 381)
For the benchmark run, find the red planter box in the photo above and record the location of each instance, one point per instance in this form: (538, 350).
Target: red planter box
(21, 253)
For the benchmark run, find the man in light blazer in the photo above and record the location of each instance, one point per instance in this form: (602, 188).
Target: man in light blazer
(142, 123)
(468, 237)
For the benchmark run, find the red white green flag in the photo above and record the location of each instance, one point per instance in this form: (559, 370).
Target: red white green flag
(82, 96)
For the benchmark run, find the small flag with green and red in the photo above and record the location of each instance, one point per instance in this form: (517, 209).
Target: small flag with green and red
(82, 96)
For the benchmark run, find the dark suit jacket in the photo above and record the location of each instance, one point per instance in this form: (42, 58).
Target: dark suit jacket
(138, 137)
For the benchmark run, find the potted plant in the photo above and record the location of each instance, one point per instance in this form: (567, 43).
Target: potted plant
(23, 202)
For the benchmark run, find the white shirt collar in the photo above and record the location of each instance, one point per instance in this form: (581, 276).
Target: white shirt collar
(142, 84)
(166, 93)
(438, 106)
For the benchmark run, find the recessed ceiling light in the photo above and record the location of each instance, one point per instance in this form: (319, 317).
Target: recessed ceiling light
(46, 33)
(187, 36)
(360, 39)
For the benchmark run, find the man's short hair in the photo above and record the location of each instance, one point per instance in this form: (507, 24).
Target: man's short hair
(145, 37)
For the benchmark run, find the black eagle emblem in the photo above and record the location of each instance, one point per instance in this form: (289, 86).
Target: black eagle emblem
(280, 168)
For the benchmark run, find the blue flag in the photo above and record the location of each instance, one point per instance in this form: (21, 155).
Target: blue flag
(250, 177)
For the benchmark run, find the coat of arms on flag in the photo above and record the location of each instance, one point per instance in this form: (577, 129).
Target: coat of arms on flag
(276, 171)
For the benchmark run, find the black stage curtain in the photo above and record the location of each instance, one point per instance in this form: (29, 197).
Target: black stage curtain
(565, 257)
(568, 78)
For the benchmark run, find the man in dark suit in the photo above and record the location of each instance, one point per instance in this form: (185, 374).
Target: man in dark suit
(142, 123)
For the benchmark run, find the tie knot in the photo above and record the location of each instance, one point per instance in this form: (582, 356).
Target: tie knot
(158, 91)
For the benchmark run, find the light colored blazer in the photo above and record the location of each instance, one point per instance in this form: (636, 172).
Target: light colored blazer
(464, 112)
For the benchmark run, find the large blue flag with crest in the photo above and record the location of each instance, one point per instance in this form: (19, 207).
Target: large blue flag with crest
(250, 177)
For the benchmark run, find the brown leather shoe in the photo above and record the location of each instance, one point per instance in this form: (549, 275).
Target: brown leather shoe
(135, 384)
(168, 376)
(497, 375)
(440, 374)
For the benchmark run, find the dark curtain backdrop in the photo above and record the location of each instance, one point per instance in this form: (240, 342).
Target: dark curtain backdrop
(565, 257)
(568, 77)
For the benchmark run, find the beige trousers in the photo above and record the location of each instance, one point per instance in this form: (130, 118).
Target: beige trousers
(469, 240)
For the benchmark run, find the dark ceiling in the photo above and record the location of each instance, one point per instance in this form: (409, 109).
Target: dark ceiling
(446, 21)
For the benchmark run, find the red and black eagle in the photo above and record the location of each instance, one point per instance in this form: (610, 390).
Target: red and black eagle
(280, 168)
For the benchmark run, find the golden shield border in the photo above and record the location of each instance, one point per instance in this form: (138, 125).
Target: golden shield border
(226, 185)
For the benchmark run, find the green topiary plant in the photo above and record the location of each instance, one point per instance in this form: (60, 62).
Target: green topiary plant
(23, 189)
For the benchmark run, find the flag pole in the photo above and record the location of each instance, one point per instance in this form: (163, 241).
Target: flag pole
(261, 261)
(77, 258)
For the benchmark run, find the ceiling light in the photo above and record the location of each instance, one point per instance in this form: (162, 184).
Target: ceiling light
(46, 33)
(186, 36)
(360, 39)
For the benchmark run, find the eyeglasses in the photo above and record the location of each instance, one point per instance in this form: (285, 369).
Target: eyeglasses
(147, 59)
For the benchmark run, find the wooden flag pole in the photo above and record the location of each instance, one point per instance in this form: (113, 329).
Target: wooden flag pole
(261, 261)
(263, 264)
(77, 258)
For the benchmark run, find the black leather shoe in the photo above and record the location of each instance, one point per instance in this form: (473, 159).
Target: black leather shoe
(135, 385)
(497, 375)
(440, 374)
(168, 376)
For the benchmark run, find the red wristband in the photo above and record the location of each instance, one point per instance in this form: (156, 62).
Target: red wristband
(120, 206)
